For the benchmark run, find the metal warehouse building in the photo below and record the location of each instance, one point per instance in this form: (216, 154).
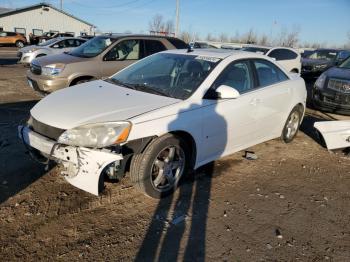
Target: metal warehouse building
(41, 18)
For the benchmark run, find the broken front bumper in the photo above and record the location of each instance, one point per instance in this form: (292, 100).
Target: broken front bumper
(82, 166)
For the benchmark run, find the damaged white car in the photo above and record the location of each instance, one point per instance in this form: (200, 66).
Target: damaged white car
(164, 115)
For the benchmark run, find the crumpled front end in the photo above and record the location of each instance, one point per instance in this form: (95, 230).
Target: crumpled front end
(82, 166)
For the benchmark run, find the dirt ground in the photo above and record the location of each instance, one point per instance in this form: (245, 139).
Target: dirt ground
(291, 204)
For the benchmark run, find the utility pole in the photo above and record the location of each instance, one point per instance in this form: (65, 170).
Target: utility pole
(177, 18)
(61, 4)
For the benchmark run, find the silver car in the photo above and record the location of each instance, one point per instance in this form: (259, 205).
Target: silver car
(53, 46)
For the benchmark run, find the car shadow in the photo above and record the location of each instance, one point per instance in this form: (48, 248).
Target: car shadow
(17, 169)
(179, 223)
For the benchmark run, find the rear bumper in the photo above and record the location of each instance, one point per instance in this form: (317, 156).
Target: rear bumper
(46, 84)
(82, 166)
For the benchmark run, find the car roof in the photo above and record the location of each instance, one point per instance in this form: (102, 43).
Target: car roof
(217, 53)
(116, 35)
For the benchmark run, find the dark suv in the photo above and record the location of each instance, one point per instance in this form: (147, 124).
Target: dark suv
(320, 60)
(331, 91)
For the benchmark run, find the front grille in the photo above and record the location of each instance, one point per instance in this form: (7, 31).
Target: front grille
(45, 130)
(339, 85)
(307, 68)
(35, 69)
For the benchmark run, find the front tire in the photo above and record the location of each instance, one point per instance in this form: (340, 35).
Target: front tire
(291, 127)
(19, 43)
(157, 171)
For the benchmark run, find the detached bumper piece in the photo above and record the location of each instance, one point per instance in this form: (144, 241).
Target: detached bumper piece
(336, 134)
(82, 166)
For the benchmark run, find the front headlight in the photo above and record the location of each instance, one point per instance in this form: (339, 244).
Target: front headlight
(96, 135)
(320, 81)
(52, 70)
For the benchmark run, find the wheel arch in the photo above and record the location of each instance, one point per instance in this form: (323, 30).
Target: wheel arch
(78, 78)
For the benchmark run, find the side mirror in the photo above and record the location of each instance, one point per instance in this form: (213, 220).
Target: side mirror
(227, 92)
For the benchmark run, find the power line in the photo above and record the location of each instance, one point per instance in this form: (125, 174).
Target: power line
(177, 17)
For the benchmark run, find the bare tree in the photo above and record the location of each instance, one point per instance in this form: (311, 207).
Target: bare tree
(169, 27)
(263, 40)
(223, 37)
(250, 37)
(292, 38)
(156, 24)
(210, 37)
(185, 36)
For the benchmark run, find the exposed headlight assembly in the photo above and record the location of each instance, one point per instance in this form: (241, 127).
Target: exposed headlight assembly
(96, 135)
(320, 81)
(52, 70)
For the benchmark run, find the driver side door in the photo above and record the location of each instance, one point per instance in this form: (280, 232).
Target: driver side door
(121, 55)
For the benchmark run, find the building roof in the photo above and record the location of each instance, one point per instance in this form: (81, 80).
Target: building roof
(6, 12)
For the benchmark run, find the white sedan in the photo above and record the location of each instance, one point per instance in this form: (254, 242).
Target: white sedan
(164, 115)
(53, 46)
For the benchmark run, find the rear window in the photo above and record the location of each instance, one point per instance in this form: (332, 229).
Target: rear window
(283, 54)
(179, 44)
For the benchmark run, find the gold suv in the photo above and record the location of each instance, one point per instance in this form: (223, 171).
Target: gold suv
(102, 56)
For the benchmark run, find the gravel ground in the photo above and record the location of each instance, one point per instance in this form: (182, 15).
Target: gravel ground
(290, 204)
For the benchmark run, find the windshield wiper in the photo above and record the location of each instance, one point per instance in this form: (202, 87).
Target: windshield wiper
(149, 89)
(120, 83)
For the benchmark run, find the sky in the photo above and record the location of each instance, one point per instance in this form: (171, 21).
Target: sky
(319, 21)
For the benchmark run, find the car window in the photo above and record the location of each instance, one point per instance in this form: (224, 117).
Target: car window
(78, 42)
(153, 46)
(343, 55)
(69, 43)
(268, 73)
(174, 75)
(59, 44)
(93, 47)
(256, 49)
(179, 44)
(125, 50)
(282, 54)
(236, 75)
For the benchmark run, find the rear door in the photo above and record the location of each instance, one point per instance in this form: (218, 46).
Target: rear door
(271, 98)
(124, 53)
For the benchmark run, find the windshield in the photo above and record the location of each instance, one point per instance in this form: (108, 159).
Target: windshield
(48, 42)
(323, 55)
(92, 47)
(172, 75)
(346, 64)
(256, 49)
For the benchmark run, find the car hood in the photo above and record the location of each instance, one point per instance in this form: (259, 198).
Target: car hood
(60, 58)
(27, 48)
(308, 61)
(336, 72)
(94, 102)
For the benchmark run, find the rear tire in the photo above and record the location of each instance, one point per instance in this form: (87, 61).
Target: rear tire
(291, 127)
(158, 170)
(19, 43)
